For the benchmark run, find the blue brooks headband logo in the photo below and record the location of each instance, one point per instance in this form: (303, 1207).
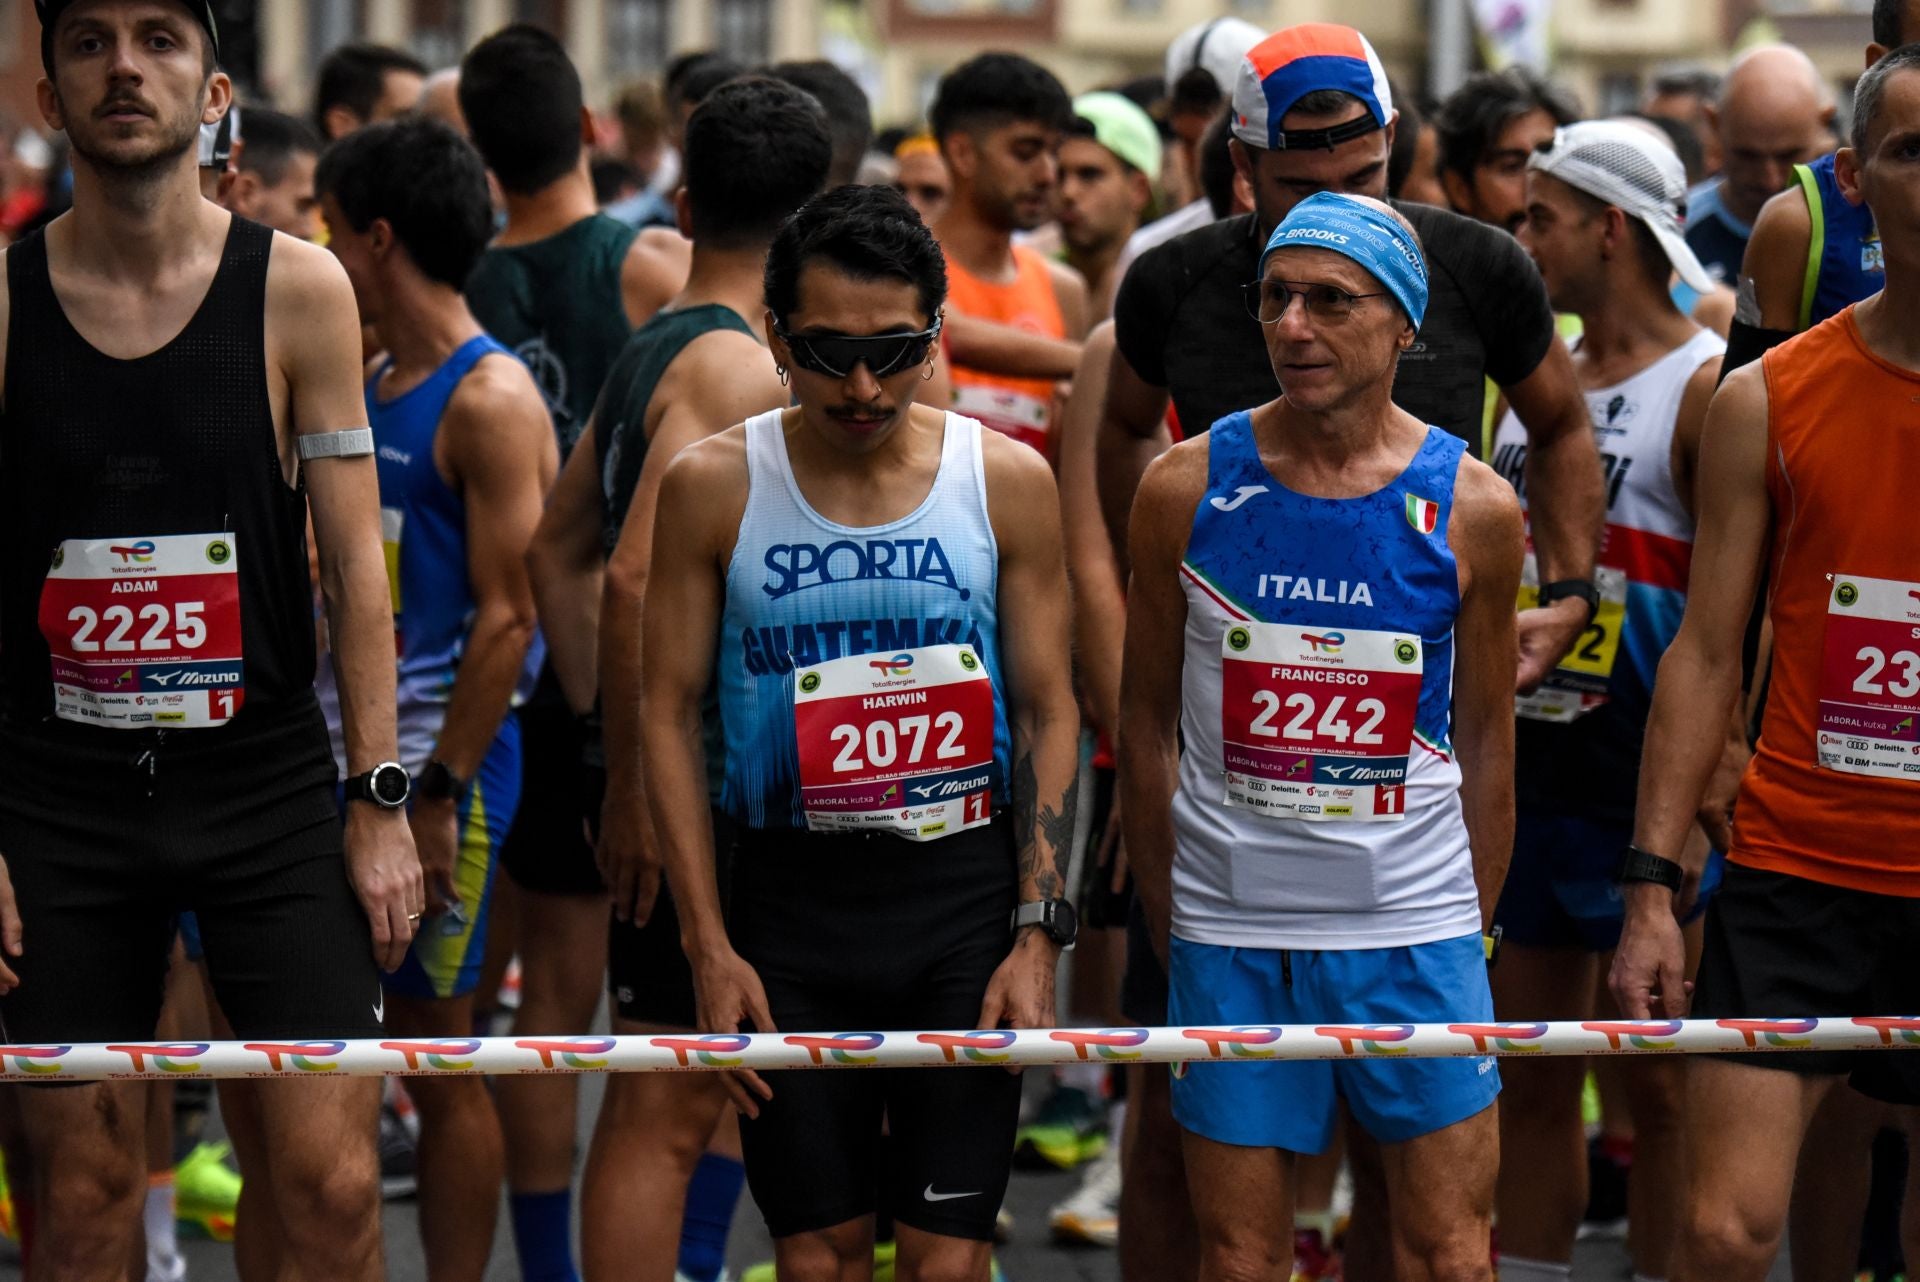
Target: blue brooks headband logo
(1368, 235)
(795, 567)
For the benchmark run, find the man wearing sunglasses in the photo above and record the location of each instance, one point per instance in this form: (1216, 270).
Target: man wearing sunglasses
(875, 588)
(1316, 751)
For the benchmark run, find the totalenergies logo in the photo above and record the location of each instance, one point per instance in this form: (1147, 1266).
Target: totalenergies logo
(1105, 1043)
(443, 1055)
(899, 665)
(299, 1057)
(977, 1048)
(573, 1052)
(841, 1048)
(1327, 644)
(1515, 1038)
(1641, 1034)
(166, 1057)
(1783, 1033)
(1367, 1039)
(1243, 1042)
(715, 1050)
(1902, 1028)
(137, 553)
(37, 1060)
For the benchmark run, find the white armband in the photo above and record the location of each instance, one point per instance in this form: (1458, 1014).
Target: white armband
(352, 442)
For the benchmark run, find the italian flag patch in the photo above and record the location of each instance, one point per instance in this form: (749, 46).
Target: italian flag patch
(1422, 514)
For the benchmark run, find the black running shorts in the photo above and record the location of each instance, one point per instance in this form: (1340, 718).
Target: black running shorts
(546, 850)
(109, 835)
(1785, 947)
(853, 933)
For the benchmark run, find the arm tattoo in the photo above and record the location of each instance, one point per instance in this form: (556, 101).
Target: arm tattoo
(1054, 826)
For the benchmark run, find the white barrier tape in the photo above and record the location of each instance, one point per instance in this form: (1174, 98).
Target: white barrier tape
(697, 1052)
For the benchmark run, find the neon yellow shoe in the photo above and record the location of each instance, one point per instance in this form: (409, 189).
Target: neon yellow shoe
(1590, 1103)
(9, 1221)
(883, 1255)
(206, 1192)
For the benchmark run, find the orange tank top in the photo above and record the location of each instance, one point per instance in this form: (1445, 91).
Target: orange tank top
(1833, 794)
(1020, 407)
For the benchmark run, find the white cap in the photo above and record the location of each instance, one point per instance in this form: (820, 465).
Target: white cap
(1217, 45)
(1628, 166)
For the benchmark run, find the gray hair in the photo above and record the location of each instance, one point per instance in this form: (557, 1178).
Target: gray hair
(1871, 91)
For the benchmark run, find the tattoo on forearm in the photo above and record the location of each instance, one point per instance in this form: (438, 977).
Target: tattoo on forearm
(1025, 784)
(1052, 825)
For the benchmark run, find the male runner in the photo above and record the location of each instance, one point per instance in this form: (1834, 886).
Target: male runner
(1488, 129)
(563, 286)
(849, 114)
(275, 182)
(755, 151)
(466, 455)
(1817, 911)
(1109, 162)
(1603, 221)
(876, 589)
(1316, 752)
(362, 84)
(999, 119)
(162, 746)
(923, 177)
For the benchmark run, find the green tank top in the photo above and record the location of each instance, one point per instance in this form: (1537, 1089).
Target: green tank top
(558, 304)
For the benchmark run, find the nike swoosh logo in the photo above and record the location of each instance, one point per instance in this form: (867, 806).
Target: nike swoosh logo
(380, 1007)
(1240, 495)
(931, 1196)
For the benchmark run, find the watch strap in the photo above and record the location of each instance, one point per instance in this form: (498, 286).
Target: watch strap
(1641, 865)
(438, 782)
(1561, 589)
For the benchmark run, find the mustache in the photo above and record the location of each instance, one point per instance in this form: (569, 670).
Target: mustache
(125, 102)
(868, 412)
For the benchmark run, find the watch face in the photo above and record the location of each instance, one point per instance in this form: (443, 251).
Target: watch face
(389, 785)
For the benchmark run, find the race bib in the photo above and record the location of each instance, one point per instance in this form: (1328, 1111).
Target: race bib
(1870, 679)
(145, 632)
(1317, 723)
(899, 743)
(1579, 684)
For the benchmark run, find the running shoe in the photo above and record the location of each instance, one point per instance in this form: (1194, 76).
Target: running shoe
(1607, 1177)
(883, 1258)
(399, 1174)
(206, 1192)
(9, 1220)
(1003, 1224)
(1092, 1215)
(1069, 1128)
(1313, 1259)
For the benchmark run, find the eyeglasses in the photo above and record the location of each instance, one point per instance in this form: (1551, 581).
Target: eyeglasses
(1268, 300)
(835, 355)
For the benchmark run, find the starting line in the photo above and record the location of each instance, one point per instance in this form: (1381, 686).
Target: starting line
(707, 1052)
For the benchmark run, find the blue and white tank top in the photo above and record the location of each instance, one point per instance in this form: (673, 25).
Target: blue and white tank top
(803, 590)
(1844, 260)
(1318, 804)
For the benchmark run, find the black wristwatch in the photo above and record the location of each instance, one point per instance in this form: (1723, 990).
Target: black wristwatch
(387, 785)
(1561, 589)
(437, 783)
(1055, 918)
(1640, 865)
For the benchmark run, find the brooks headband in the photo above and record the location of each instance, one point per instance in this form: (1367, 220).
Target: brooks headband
(1360, 231)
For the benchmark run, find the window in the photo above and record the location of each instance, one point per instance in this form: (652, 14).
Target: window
(743, 29)
(636, 36)
(1142, 8)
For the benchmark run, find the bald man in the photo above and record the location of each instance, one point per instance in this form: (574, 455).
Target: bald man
(440, 99)
(1773, 113)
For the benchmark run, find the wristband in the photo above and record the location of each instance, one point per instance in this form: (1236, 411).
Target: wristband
(1561, 589)
(1638, 865)
(437, 783)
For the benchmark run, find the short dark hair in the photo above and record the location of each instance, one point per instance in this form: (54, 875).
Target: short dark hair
(870, 233)
(1471, 118)
(995, 88)
(1890, 22)
(692, 76)
(427, 182)
(612, 177)
(849, 115)
(756, 150)
(273, 139)
(522, 99)
(1194, 92)
(1655, 264)
(354, 76)
(1406, 140)
(1686, 143)
(1216, 164)
(1871, 91)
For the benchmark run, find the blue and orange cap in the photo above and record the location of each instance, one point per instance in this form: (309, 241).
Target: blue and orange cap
(1292, 63)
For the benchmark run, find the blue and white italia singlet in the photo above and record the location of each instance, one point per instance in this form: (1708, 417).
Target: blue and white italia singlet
(1318, 804)
(1844, 260)
(803, 591)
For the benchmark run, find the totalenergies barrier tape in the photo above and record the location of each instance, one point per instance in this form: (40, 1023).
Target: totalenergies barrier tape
(700, 1052)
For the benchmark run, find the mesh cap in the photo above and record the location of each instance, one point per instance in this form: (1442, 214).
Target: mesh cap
(1626, 166)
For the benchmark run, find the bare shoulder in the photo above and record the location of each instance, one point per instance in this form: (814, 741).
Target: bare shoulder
(1178, 472)
(497, 389)
(1067, 283)
(710, 474)
(1012, 467)
(657, 264)
(724, 352)
(1742, 393)
(1784, 219)
(1486, 511)
(302, 276)
(1715, 311)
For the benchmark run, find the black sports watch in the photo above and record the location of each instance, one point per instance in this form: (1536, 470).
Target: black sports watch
(1561, 589)
(1640, 865)
(438, 783)
(387, 785)
(1055, 918)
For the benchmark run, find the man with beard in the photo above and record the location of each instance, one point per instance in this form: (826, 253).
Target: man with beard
(162, 747)
(999, 119)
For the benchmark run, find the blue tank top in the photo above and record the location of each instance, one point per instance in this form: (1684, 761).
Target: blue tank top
(802, 590)
(1844, 263)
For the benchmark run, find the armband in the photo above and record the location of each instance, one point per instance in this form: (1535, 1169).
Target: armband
(352, 442)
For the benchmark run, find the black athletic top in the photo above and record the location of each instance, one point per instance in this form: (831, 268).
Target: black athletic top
(178, 442)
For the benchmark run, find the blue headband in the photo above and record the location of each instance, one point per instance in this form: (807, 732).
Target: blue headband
(1377, 241)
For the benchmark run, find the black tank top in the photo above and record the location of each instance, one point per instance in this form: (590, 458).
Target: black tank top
(178, 442)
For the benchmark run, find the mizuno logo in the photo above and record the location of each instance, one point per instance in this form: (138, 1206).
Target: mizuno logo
(380, 1008)
(931, 1196)
(1337, 771)
(1240, 495)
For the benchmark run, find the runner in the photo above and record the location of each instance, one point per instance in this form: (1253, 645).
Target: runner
(466, 459)
(806, 542)
(755, 151)
(1109, 163)
(1488, 129)
(275, 183)
(1817, 907)
(208, 784)
(849, 114)
(1323, 857)
(923, 177)
(999, 119)
(564, 287)
(362, 84)
(1603, 221)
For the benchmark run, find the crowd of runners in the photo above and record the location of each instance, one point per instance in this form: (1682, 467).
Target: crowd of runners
(1320, 557)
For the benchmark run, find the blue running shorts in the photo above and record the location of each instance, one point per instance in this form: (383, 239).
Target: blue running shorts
(1560, 891)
